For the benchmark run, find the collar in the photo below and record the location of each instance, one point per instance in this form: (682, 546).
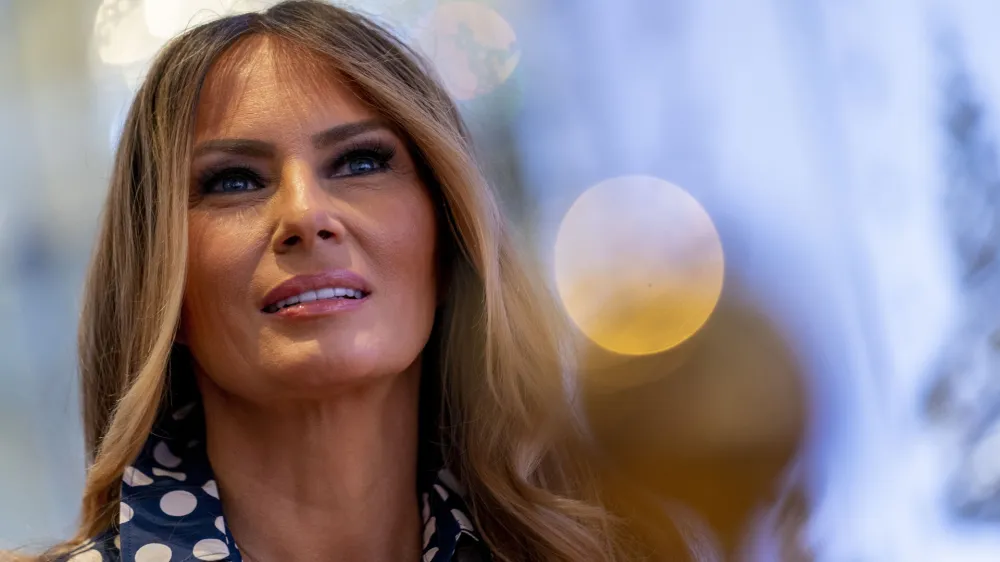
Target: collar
(170, 507)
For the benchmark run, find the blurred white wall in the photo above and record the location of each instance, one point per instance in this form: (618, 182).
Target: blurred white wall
(55, 155)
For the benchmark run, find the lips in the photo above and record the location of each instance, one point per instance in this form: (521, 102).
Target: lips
(330, 285)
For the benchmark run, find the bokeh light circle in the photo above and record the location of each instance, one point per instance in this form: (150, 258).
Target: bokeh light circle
(638, 265)
(473, 48)
(167, 18)
(121, 34)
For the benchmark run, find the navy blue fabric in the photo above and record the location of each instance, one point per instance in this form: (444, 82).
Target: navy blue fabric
(170, 509)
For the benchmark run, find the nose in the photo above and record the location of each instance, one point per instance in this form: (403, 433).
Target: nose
(306, 214)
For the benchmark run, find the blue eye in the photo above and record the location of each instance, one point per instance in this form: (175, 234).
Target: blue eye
(234, 184)
(362, 160)
(232, 180)
(363, 165)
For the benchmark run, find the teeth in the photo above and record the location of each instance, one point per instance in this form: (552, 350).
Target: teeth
(321, 294)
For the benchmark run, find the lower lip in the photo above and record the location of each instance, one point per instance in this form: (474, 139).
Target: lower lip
(323, 307)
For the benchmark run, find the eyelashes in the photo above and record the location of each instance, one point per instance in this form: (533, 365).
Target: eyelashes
(362, 158)
(229, 179)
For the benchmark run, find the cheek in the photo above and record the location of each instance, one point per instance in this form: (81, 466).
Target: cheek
(409, 241)
(222, 255)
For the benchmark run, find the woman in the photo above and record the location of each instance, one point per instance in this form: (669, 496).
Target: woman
(305, 312)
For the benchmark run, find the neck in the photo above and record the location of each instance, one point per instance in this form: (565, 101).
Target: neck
(303, 481)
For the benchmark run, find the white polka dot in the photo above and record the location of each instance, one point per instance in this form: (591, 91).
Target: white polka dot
(441, 491)
(85, 545)
(163, 456)
(153, 552)
(125, 513)
(429, 555)
(463, 521)
(118, 542)
(210, 549)
(178, 503)
(211, 489)
(220, 524)
(157, 471)
(429, 531)
(427, 508)
(87, 556)
(134, 477)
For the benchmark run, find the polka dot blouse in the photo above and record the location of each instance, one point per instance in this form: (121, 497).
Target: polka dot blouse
(170, 509)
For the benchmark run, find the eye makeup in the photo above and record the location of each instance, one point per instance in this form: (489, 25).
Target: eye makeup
(235, 176)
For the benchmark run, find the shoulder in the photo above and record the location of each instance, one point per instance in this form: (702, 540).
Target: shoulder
(103, 548)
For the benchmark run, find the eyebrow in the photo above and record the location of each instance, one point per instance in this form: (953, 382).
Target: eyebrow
(263, 149)
(343, 132)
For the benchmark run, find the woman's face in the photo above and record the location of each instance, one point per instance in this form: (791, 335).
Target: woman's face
(311, 259)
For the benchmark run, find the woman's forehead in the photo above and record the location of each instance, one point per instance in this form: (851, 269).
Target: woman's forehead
(261, 87)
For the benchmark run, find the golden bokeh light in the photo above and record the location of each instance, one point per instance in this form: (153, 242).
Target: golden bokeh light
(472, 47)
(638, 265)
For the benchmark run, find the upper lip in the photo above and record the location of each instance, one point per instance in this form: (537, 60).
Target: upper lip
(314, 282)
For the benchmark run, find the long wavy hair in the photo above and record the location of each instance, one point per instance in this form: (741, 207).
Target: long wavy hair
(506, 420)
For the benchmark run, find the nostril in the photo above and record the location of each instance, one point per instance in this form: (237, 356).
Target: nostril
(291, 240)
(325, 234)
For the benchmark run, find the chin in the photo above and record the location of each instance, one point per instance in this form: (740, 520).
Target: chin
(329, 368)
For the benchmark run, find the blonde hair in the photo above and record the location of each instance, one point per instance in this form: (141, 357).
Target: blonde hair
(509, 428)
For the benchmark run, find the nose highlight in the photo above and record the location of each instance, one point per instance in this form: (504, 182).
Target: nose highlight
(305, 214)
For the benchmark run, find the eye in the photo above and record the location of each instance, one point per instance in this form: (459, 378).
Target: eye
(362, 161)
(231, 180)
(363, 165)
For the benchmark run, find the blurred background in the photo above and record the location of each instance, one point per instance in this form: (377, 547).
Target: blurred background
(775, 223)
